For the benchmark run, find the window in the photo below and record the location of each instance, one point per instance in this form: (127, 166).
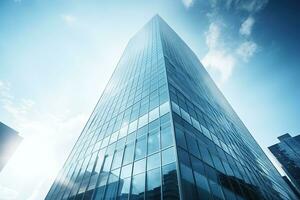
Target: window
(153, 142)
(142, 131)
(130, 137)
(154, 125)
(168, 156)
(107, 163)
(175, 108)
(165, 119)
(143, 120)
(170, 184)
(153, 161)
(132, 126)
(139, 166)
(154, 114)
(185, 116)
(117, 160)
(202, 186)
(112, 185)
(141, 148)
(189, 191)
(166, 137)
(192, 145)
(126, 171)
(113, 137)
(216, 190)
(105, 142)
(205, 155)
(123, 131)
(128, 154)
(164, 108)
(180, 138)
(138, 186)
(124, 188)
(153, 184)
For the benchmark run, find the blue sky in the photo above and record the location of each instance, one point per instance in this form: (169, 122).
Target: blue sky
(57, 56)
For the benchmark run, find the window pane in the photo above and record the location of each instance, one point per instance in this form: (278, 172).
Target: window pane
(216, 190)
(164, 108)
(202, 185)
(168, 156)
(139, 166)
(154, 114)
(153, 184)
(128, 155)
(113, 137)
(192, 145)
(143, 120)
(170, 184)
(153, 161)
(166, 137)
(117, 160)
(153, 143)
(140, 149)
(130, 137)
(180, 138)
(189, 189)
(126, 171)
(105, 142)
(132, 126)
(107, 163)
(112, 185)
(124, 189)
(138, 187)
(142, 131)
(123, 131)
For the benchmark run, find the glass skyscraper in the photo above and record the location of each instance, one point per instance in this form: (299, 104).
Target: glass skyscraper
(287, 152)
(163, 130)
(9, 141)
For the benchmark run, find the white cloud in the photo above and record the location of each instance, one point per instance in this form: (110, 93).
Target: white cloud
(68, 19)
(246, 50)
(218, 60)
(222, 57)
(188, 3)
(212, 35)
(246, 27)
(7, 193)
(221, 62)
(250, 6)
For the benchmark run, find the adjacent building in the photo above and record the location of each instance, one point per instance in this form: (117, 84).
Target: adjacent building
(287, 152)
(163, 130)
(9, 141)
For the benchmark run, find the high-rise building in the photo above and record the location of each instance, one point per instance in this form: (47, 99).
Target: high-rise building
(163, 130)
(287, 152)
(9, 141)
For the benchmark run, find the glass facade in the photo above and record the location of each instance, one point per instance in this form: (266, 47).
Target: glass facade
(9, 141)
(287, 152)
(162, 130)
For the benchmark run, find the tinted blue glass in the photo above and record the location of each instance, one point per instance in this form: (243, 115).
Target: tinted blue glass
(153, 184)
(166, 137)
(170, 184)
(140, 148)
(124, 189)
(128, 154)
(139, 166)
(153, 161)
(168, 156)
(153, 142)
(126, 171)
(138, 186)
